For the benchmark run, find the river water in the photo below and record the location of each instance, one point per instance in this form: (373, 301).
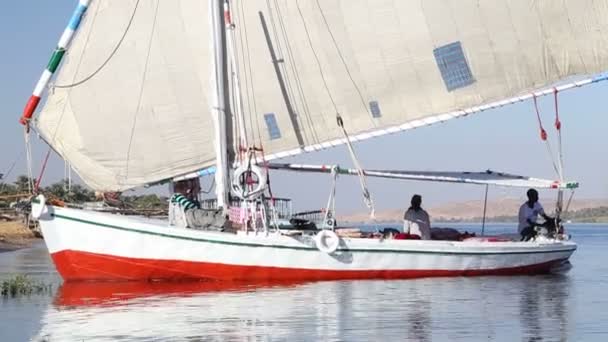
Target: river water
(570, 307)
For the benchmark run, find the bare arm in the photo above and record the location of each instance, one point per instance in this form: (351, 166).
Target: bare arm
(545, 216)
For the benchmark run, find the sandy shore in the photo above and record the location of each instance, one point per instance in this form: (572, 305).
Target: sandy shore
(14, 235)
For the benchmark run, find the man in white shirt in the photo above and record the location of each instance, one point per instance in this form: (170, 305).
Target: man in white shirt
(416, 220)
(528, 214)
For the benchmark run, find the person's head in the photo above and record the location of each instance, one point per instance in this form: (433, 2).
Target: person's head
(532, 195)
(416, 201)
(188, 187)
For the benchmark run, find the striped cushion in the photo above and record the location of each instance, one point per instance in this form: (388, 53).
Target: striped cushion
(183, 201)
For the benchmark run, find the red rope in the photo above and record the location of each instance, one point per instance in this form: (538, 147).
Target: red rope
(558, 123)
(46, 159)
(543, 133)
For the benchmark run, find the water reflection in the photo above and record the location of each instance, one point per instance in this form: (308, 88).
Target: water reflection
(415, 310)
(542, 307)
(419, 317)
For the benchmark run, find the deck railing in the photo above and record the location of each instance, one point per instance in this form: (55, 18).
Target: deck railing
(282, 205)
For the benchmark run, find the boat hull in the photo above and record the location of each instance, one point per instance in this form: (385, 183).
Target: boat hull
(88, 245)
(77, 265)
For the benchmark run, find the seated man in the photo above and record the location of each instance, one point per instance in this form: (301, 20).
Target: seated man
(528, 214)
(416, 220)
(183, 200)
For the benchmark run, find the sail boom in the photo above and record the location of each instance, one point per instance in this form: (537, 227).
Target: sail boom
(488, 177)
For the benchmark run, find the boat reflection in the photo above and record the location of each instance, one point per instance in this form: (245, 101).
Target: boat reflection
(542, 306)
(76, 294)
(416, 310)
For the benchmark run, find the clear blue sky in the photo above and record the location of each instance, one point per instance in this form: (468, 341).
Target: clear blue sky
(505, 139)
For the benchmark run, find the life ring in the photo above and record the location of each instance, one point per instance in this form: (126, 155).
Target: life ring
(327, 241)
(38, 205)
(240, 186)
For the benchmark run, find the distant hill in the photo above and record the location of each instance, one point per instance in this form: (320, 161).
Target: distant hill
(502, 210)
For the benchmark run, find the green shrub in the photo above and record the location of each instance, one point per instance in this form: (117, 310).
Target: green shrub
(22, 285)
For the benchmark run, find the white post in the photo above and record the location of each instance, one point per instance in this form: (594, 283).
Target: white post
(218, 111)
(330, 211)
(231, 47)
(485, 206)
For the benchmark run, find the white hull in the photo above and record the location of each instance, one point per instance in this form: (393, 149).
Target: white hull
(87, 245)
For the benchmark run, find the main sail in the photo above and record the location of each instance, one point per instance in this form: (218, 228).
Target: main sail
(381, 64)
(145, 117)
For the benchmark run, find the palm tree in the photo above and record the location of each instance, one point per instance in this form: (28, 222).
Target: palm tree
(75, 193)
(22, 184)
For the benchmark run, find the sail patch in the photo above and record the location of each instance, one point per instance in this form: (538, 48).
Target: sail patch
(374, 108)
(273, 127)
(453, 66)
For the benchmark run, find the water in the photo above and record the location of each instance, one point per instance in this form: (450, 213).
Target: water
(571, 307)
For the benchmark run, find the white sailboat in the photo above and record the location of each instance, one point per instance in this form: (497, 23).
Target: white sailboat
(154, 90)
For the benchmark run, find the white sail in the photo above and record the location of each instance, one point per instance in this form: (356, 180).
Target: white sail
(387, 63)
(379, 63)
(145, 116)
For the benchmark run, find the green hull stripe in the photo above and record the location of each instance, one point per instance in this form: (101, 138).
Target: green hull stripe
(310, 249)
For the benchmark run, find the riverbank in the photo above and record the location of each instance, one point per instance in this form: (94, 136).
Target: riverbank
(14, 235)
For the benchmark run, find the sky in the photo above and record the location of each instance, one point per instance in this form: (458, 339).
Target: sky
(504, 139)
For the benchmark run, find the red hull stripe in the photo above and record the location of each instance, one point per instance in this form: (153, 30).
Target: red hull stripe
(77, 265)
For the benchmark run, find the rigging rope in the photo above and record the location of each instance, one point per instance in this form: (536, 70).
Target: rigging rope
(314, 52)
(273, 208)
(107, 59)
(67, 176)
(296, 73)
(46, 159)
(9, 170)
(569, 200)
(366, 194)
(543, 137)
(558, 127)
(28, 157)
(362, 181)
(249, 83)
(141, 89)
(350, 76)
(237, 101)
(283, 64)
(543, 133)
